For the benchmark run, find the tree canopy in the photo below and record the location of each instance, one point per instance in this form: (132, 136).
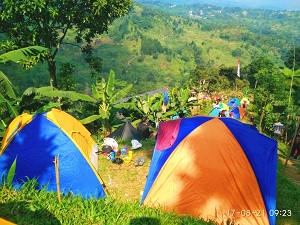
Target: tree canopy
(47, 22)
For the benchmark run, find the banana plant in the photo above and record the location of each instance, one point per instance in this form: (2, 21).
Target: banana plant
(8, 106)
(106, 96)
(151, 106)
(27, 57)
(179, 99)
(41, 99)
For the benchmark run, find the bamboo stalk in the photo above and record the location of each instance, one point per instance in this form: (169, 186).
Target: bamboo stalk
(57, 177)
(292, 144)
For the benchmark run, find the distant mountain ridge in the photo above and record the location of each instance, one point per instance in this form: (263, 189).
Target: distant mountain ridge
(291, 5)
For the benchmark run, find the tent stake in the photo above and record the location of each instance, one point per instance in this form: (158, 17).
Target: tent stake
(57, 178)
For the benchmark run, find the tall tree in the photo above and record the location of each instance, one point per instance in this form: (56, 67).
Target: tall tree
(47, 22)
(254, 67)
(293, 58)
(270, 89)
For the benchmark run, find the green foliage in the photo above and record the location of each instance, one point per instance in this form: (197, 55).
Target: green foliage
(150, 106)
(7, 181)
(47, 23)
(11, 108)
(6, 88)
(269, 87)
(106, 97)
(64, 77)
(11, 173)
(8, 109)
(35, 100)
(293, 58)
(27, 57)
(29, 206)
(150, 46)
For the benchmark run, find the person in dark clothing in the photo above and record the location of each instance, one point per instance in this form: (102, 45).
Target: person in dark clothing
(222, 113)
(144, 128)
(295, 153)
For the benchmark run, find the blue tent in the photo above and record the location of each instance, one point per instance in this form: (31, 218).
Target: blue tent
(35, 141)
(238, 112)
(234, 102)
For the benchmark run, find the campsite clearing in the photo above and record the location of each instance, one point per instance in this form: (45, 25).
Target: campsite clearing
(126, 181)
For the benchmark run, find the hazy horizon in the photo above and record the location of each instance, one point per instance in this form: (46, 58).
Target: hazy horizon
(259, 4)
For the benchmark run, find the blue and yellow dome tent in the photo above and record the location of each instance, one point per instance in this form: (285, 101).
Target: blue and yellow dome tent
(213, 168)
(35, 140)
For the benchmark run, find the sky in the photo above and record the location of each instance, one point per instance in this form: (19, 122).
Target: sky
(264, 4)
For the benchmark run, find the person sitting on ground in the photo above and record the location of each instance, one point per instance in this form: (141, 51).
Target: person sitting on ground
(144, 128)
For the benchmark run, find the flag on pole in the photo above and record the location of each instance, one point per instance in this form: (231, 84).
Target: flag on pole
(239, 67)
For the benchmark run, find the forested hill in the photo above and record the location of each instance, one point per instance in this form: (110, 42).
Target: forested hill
(153, 46)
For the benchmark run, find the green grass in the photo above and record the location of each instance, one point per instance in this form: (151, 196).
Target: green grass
(288, 197)
(42, 208)
(29, 206)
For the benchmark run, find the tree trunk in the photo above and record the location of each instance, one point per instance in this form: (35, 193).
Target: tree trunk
(52, 72)
(262, 114)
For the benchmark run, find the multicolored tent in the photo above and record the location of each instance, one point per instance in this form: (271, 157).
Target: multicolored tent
(234, 102)
(215, 111)
(213, 168)
(35, 141)
(245, 100)
(223, 106)
(238, 112)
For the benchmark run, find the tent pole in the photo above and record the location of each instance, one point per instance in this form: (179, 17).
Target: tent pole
(103, 185)
(57, 177)
(292, 144)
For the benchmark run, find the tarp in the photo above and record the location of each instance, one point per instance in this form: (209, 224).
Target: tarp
(36, 140)
(213, 168)
(126, 132)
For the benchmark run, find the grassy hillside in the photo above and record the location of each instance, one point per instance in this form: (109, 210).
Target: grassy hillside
(186, 41)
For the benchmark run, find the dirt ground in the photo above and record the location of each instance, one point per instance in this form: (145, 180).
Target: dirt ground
(125, 181)
(291, 170)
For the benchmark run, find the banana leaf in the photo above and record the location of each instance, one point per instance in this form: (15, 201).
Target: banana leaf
(49, 92)
(50, 105)
(22, 54)
(110, 86)
(11, 172)
(11, 108)
(98, 89)
(121, 94)
(6, 86)
(90, 119)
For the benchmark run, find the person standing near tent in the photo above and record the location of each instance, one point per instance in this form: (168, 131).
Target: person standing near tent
(295, 152)
(278, 130)
(144, 128)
